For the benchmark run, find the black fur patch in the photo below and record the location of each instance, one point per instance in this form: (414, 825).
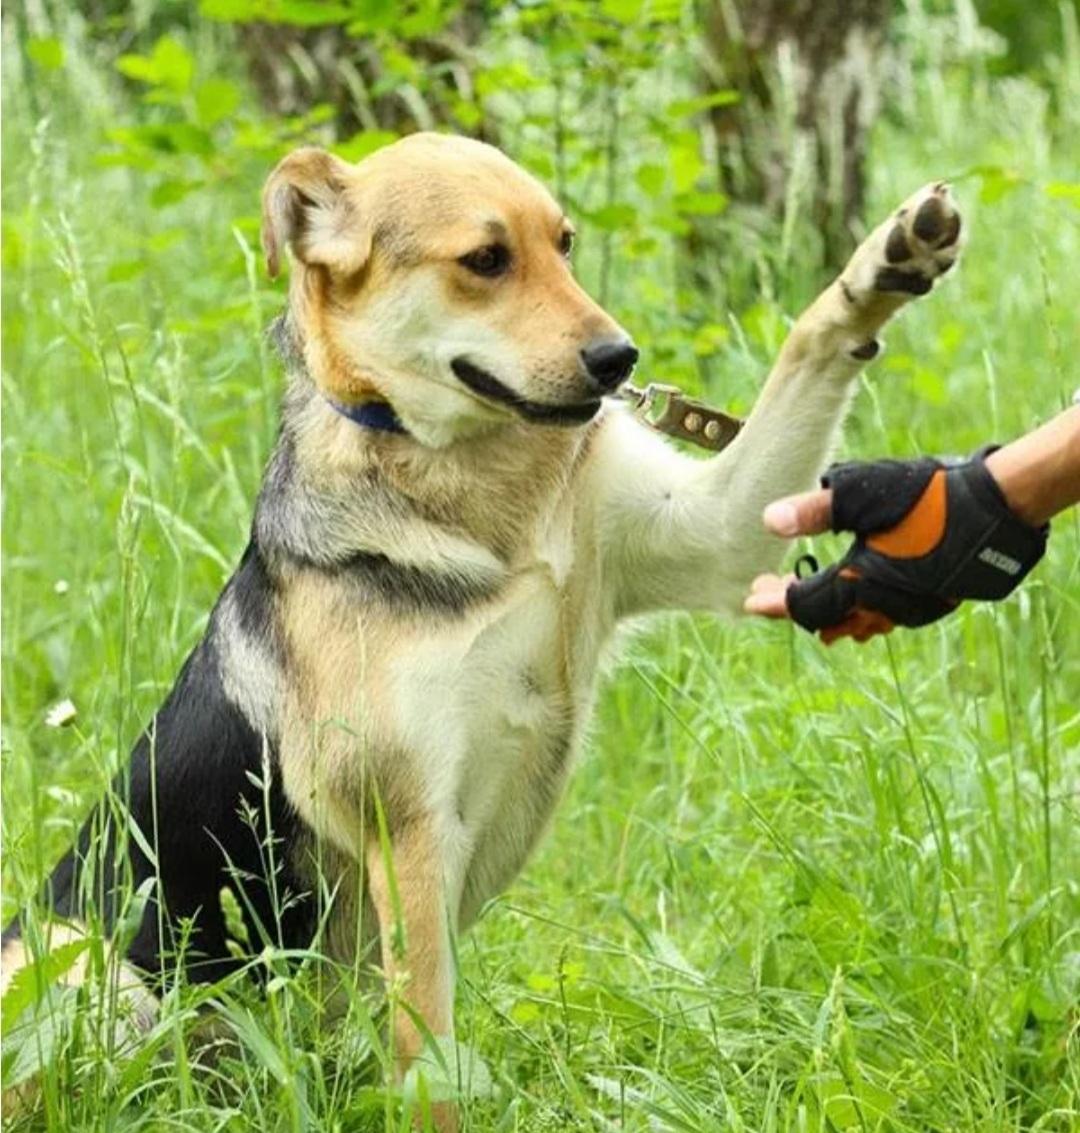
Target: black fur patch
(298, 527)
(189, 789)
(252, 590)
(409, 589)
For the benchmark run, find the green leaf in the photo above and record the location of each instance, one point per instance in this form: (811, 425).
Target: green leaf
(12, 245)
(687, 164)
(452, 1070)
(652, 178)
(175, 66)
(233, 11)
(360, 145)
(256, 1040)
(29, 982)
(215, 100)
(166, 137)
(46, 52)
(506, 79)
(165, 239)
(124, 270)
(311, 13)
(138, 67)
(998, 183)
(170, 65)
(139, 838)
(29, 1050)
(613, 217)
(299, 13)
(855, 1104)
(701, 204)
(131, 916)
(169, 192)
(467, 113)
(213, 319)
(709, 338)
(375, 15)
(930, 386)
(683, 107)
(1064, 191)
(625, 11)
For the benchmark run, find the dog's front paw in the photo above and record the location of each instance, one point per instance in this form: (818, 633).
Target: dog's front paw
(923, 242)
(903, 257)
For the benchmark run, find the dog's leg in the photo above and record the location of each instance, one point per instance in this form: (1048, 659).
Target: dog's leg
(688, 534)
(409, 895)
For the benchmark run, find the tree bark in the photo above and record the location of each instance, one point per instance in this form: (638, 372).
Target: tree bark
(808, 76)
(296, 68)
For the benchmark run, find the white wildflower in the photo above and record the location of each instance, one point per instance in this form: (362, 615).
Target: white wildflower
(61, 714)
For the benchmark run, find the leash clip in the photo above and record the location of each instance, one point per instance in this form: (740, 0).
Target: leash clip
(668, 410)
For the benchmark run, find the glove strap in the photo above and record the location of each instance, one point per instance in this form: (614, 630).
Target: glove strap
(1004, 550)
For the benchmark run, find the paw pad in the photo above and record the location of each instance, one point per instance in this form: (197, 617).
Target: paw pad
(920, 243)
(934, 226)
(892, 279)
(867, 351)
(896, 247)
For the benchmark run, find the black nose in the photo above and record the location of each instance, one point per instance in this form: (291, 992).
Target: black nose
(610, 362)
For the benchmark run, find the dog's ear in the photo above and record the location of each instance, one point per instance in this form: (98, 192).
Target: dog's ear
(306, 205)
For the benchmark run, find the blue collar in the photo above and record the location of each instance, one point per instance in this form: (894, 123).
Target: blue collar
(378, 415)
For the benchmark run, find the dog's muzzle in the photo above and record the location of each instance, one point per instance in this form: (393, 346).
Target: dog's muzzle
(485, 384)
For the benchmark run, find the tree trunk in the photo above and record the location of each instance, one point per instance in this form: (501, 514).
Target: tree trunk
(296, 68)
(808, 73)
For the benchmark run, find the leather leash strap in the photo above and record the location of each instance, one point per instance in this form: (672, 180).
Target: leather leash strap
(668, 410)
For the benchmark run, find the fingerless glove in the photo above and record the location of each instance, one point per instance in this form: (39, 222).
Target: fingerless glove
(927, 536)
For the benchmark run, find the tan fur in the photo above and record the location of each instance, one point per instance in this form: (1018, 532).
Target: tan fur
(415, 944)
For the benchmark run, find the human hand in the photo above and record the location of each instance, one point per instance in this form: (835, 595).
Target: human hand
(927, 536)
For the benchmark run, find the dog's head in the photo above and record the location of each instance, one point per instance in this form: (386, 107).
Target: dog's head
(435, 275)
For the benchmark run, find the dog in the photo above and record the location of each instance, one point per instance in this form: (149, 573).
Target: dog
(456, 516)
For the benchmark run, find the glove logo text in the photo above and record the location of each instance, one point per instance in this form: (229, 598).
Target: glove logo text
(1002, 562)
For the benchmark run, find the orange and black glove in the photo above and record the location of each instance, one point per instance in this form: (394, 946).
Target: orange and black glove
(927, 536)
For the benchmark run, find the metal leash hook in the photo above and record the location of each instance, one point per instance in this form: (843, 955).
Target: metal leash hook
(681, 416)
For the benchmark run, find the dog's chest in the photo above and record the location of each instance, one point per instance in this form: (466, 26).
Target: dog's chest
(463, 694)
(488, 706)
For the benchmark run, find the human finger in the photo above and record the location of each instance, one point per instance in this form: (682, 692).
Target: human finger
(768, 596)
(805, 514)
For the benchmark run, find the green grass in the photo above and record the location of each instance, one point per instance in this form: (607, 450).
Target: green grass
(790, 888)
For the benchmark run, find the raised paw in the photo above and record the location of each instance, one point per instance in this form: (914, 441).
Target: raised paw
(923, 242)
(901, 259)
(918, 243)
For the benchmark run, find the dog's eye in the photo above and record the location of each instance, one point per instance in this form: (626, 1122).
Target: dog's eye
(566, 242)
(488, 261)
